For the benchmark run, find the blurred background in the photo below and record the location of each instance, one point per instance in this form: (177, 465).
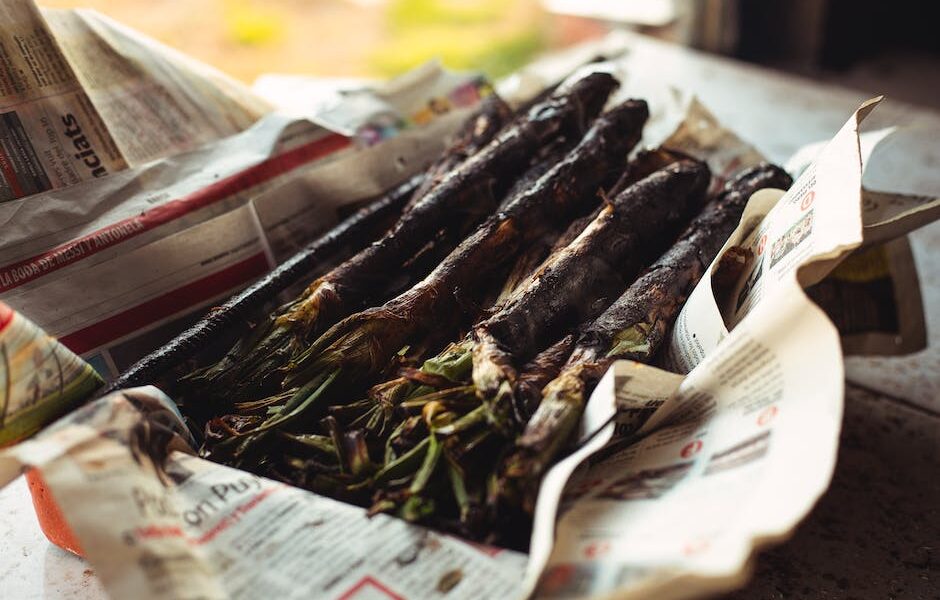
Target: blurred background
(889, 47)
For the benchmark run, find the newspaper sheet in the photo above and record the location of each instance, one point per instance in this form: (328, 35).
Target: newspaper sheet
(874, 297)
(115, 267)
(82, 97)
(187, 528)
(885, 215)
(154, 100)
(51, 134)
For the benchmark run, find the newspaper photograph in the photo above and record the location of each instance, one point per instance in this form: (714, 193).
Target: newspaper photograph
(52, 135)
(41, 379)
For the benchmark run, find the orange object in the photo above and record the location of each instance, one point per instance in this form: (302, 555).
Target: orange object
(51, 520)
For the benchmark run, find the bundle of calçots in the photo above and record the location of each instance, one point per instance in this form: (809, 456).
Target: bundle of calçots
(438, 373)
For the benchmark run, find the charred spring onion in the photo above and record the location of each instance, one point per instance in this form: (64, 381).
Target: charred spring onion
(471, 427)
(364, 342)
(438, 372)
(581, 280)
(469, 191)
(633, 327)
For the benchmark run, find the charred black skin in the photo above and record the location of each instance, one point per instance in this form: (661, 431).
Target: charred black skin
(548, 205)
(476, 132)
(654, 300)
(602, 263)
(547, 364)
(548, 158)
(464, 196)
(595, 267)
(645, 163)
(550, 89)
(651, 304)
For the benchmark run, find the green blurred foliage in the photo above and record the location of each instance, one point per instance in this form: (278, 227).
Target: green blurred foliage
(481, 35)
(408, 14)
(250, 24)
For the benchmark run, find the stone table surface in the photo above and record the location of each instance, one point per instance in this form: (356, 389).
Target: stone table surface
(876, 532)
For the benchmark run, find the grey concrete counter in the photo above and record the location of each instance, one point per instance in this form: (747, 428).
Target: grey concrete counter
(876, 532)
